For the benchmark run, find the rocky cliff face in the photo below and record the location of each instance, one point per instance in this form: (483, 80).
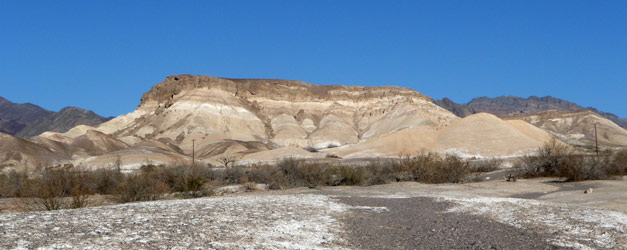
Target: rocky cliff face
(280, 112)
(517, 105)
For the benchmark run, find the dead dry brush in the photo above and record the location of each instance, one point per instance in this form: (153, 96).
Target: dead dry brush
(61, 188)
(555, 159)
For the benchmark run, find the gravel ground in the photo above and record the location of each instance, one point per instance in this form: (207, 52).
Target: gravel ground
(393, 216)
(422, 223)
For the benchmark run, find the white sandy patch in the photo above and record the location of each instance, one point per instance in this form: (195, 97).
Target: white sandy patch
(302, 221)
(571, 226)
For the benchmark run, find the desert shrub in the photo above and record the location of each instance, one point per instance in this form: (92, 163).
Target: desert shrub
(378, 173)
(142, 186)
(151, 168)
(285, 174)
(260, 173)
(344, 175)
(558, 160)
(546, 161)
(63, 188)
(412, 168)
(450, 169)
(234, 174)
(431, 168)
(310, 175)
(579, 168)
(106, 181)
(485, 165)
(13, 184)
(189, 180)
(618, 165)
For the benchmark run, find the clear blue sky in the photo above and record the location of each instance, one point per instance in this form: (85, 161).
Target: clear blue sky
(102, 55)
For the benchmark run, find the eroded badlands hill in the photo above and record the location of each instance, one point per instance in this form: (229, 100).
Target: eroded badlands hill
(576, 127)
(264, 119)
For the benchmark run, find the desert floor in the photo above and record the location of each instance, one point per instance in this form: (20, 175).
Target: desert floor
(528, 214)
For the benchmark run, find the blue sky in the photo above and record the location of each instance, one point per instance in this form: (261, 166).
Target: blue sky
(102, 55)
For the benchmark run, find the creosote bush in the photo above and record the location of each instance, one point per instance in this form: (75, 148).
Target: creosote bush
(61, 188)
(69, 188)
(143, 186)
(13, 184)
(555, 159)
(485, 165)
(618, 164)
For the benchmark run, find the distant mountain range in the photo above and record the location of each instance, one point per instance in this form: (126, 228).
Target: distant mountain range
(505, 105)
(27, 120)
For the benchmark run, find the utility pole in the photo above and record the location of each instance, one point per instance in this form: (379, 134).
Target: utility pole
(596, 139)
(194, 152)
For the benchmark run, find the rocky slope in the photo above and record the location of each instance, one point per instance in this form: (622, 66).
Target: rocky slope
(27, 120)
(576, 127)
(517, 105)
(15, 117)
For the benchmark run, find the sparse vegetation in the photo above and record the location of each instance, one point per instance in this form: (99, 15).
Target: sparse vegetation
(54, 189)
(554, 159)
(142, 186)
(485, 165)
(65, 187)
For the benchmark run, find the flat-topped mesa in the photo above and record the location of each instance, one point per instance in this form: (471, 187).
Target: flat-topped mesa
(162, 94)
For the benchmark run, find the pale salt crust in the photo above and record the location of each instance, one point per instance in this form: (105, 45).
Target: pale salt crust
(302, 221)
(571, 226)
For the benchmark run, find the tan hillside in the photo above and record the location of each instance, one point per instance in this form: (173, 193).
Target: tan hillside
(479, 135)
(576, 127)
(487, 135)
(22, 153)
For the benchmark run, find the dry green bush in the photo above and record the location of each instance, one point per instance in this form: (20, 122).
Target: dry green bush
(485, 165)
(288, 173)
(106, 181)
(344, 175)
(554, 159)
(13, 184)
(431, 168)
(63, 188)
(146, 185)
(450, 169)
(234, 174)
(618, 164)
(188, 180)
(379, 173)
(546, 161)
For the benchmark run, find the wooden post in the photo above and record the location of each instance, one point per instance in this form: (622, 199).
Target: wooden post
(596, 139)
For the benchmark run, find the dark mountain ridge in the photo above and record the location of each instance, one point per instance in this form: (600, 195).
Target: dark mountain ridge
(27, 120)
(503, 105)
